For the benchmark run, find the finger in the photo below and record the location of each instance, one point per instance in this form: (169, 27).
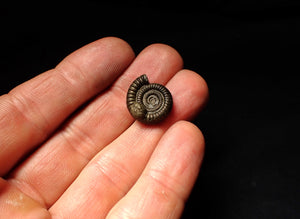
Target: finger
(51, 169)
(31, 111)
(168, 178)
(115, 169)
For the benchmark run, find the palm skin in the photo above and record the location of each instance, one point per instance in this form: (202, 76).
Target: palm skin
(70, 149)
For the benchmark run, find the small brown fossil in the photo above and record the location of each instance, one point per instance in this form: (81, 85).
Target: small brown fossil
(148, 103)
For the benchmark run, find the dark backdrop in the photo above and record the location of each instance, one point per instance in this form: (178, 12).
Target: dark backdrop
(248, 51)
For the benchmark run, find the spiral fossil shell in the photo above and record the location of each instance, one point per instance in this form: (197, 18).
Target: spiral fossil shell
(148, 103)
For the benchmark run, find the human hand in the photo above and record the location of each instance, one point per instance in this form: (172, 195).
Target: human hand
(70, 149)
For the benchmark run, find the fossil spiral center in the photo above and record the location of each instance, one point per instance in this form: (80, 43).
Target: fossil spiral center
(153, 100)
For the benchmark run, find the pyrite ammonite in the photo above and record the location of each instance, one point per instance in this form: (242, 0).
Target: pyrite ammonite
(148, 103)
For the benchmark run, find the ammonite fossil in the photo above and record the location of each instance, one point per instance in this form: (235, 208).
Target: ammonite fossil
(148, 103)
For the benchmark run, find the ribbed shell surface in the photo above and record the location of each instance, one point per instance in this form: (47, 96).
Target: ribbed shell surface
(148, 103)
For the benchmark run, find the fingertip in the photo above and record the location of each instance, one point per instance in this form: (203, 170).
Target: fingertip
(195, 80)
(99, 62)
(190, 93)
(92, 54)
(181, 148)
(204, 90)
(166, 54)
(192, 135)
(158, 61)
(117, 43)
(179, 156)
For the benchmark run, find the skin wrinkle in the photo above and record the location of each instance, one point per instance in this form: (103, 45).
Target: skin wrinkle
(21, 108)
(27, 187)
(21, 184)
(73, 76)
(165, 182)
(35, 83)
(19, 204)
(151, 194)
(72, 132)
(27, 131)
(93, 113)
(113, 171)
(117, 91)
(28, 108)
(37, 180)
(8, 121)
(104, 106)
(71, 141)
(73, 80)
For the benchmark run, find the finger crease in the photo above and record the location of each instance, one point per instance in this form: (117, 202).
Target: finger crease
(72, 76)
(32, 192)
(118, 91)
(80, 141)
(114, 173)
(166, 183)
(22, 107)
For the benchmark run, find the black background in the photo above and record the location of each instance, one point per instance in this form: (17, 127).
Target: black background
(248, 52)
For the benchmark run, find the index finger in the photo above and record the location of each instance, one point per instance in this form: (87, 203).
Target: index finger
(34, 109)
